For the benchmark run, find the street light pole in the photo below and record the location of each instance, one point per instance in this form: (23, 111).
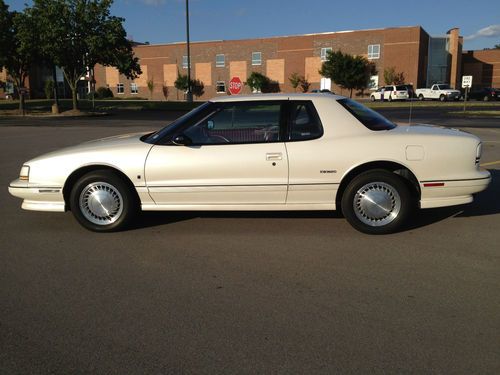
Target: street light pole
(189, 94)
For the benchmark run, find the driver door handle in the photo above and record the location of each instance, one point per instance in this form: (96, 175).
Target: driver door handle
(274, 156)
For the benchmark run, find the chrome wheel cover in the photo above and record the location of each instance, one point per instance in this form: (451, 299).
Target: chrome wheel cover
(101, 203)
(377, 204)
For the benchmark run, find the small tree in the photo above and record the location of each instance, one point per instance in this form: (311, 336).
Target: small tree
(391, 77)
(347, 71)
(48, 88)
(295, 80)
(304, 85)
(197, 86)
(151, 87)
(260, 83)
(497, 46)
(164, 89)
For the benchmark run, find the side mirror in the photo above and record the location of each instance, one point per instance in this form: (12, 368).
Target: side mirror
(182, 140)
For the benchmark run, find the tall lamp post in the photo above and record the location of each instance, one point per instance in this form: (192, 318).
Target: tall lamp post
(189, 94)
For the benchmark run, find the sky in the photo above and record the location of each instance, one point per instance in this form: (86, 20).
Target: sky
(163, 21)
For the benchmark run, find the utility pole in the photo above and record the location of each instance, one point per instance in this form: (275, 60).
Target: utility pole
(189, 94)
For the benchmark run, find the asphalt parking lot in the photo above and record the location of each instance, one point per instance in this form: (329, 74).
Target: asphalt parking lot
(297, 292)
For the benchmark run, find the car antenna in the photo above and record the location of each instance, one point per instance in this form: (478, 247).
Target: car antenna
(411, 110)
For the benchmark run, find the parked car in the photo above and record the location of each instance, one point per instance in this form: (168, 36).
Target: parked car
(316, 91)
(441, 91)
(391, 92)
(486, 94)
(261, 152)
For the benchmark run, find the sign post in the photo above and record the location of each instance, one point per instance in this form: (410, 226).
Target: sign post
(466, 84)
(235, 85)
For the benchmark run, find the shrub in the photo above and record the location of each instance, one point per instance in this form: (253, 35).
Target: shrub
(104, 92)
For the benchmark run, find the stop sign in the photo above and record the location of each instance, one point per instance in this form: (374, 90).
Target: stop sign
(235, 85)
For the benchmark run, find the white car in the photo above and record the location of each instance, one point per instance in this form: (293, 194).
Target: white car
(441, 92)
(261, 152)
(391, 92)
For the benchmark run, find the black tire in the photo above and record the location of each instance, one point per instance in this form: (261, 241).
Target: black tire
(442, 98)
(372, 98)
(393, 192)
(109, 187)
(486, 98)
(421, 98)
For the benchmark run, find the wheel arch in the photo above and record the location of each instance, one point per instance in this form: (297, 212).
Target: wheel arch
(83, 170)
(391, 166)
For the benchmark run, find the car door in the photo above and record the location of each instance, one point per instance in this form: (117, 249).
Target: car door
(311, 178)
(235, 155)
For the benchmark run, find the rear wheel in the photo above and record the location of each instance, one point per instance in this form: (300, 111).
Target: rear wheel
(102, 202)
(372, 98)
(421, 97)
(377, 202)
(486, 98)
(442, 98)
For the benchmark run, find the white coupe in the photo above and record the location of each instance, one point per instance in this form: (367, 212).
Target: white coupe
(261, 152)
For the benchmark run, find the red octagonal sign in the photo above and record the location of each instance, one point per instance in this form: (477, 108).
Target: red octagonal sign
(235, 85)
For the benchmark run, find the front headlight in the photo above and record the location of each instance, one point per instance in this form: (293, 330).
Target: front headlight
(24, 174)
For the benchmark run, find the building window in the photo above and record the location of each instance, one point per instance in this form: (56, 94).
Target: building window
(220, 61)
(374, 51)
(185, 62)
(120, 88)
(256, 58)
(220, 87)
(324, 53)
(133, 88)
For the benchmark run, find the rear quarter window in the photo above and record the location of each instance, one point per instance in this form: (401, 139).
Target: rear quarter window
(368, 117)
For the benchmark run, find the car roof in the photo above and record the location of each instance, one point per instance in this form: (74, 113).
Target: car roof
(292, 96)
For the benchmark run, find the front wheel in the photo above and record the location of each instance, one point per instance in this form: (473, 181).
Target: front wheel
(372, 98)
(421, 97)
(377, 202)
(102, 202)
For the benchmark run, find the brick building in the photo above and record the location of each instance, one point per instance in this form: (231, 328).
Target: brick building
(423, 59)
(408, 49)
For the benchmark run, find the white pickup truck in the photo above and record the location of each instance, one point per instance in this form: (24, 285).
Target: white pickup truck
(439, 91)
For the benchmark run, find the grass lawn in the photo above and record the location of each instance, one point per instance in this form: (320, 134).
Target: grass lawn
(485, 113)
(43, 105)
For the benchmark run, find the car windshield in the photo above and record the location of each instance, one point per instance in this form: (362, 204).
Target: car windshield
(369, 118)
(444, 87)
(170, 128)
(401, 87)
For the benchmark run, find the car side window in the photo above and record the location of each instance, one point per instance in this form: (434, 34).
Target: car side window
(304, 122)
(236, 123)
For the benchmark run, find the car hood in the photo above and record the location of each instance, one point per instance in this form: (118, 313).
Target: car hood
(113, 143)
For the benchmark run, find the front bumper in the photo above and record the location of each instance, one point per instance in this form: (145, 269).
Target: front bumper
(38, 198)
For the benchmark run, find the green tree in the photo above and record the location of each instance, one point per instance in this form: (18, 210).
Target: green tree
(260, 83)
(5, 33)
(48, 88)
(295, 80)
(391, 77)
(22, 50)
(151, 87)
(197, 86)
(497, 46)
(347, 71)
(79, 34)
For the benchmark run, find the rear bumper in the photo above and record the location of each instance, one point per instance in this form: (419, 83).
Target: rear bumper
(452, 192)
(39, 198)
